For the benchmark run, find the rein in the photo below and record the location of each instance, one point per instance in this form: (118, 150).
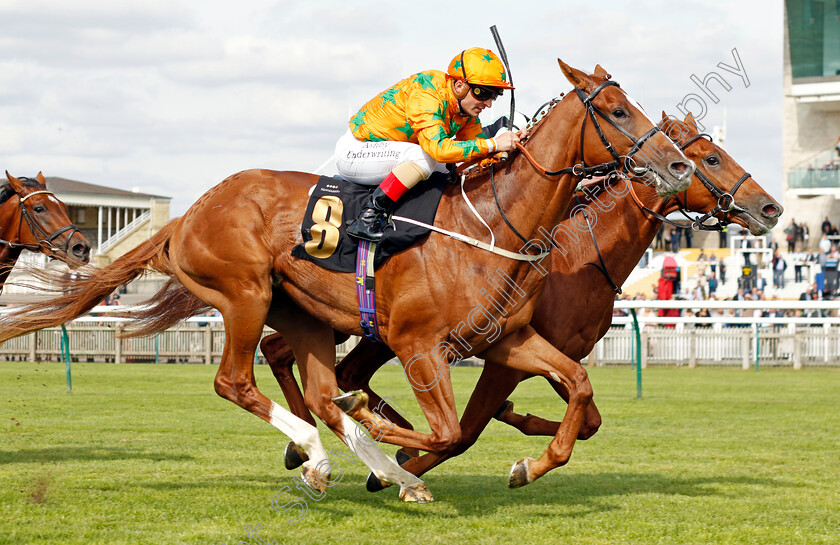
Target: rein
(37, 231)
(602, 266)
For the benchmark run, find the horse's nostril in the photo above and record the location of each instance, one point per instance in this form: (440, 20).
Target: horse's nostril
(770, 210)
(679, 169)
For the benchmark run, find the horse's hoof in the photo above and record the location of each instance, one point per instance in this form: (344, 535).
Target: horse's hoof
(419, 493)
(293, 456)
(351, 401)
(316, 481)
(401, 457)
(519, 473)
(506, 406)
(373, 483)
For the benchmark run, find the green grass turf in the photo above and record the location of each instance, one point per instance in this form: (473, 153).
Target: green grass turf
(149, 454)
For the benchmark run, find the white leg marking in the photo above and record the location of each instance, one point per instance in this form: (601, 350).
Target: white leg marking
(371, 455)
(304, 434)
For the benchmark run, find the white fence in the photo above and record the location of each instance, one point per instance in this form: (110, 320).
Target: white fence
(690, 341)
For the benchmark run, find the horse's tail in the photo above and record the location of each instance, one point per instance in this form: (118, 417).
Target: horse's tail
(83, 290)
(171, 304)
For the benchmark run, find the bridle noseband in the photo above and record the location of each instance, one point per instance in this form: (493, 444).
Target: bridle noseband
(725, 199)
(43, 238)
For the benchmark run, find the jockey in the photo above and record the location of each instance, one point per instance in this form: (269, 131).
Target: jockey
(406, 133)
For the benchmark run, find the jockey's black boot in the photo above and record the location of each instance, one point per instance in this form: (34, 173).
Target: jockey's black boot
(374, 217)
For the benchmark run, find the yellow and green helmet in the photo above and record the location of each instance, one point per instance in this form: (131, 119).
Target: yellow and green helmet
(479, 66)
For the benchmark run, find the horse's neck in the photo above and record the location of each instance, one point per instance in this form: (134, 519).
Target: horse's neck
(623, 233)
(529, 199)
(9, 222)
(8, 258)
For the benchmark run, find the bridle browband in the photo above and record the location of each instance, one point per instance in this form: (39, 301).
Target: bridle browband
(43, 238)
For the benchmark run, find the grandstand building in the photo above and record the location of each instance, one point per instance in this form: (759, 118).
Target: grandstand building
(811, 125)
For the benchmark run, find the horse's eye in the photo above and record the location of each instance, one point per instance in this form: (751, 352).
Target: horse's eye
(619, 113)
(40, 209)
(712, 160)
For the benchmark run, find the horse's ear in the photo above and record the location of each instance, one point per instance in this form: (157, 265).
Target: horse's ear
(689, 119)
(600, 72)
(664, 115)
(575, 76)
(17, 185)
(41, 179)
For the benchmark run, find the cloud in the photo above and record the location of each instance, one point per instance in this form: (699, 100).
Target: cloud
(172, 97)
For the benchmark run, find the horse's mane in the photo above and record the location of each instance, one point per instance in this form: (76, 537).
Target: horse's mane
(534, 125)
(6, 189)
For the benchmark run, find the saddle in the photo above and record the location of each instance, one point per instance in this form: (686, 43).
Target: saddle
(335, 203)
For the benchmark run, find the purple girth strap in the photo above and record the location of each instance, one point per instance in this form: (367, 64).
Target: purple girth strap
(365, 290)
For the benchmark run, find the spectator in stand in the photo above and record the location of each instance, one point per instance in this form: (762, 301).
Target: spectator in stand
(699, 292)
(779, 267)
(713, 284)
(722, 237)
(825, 244)
(702, 262)
(791, 232)
(675, 239)
(760, 284)
(804, 235)
(660, 244)
(740, 296)
(722, 268)
(826, 226)
(688, 234)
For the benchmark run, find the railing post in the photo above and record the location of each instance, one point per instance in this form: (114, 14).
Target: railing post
(118, 344)
(745, 349)
(644, 349)
(692, 348)
(797, 353)
(827, 341)
(208, 344)
(33, 344)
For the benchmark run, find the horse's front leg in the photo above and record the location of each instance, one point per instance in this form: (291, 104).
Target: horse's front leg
(526, 351)
(432, 388)
(312, 343)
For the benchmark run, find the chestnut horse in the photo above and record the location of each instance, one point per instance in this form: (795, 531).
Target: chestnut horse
(31, 218)
(623, 231)
(232, 251)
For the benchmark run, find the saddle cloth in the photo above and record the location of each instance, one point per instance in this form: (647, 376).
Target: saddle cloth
(335, 203)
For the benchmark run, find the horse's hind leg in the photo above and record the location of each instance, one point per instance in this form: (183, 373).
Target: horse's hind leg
(280, 359)
(531, 424)
(235, 382)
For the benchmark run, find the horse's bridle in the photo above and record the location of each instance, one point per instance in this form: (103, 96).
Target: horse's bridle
(43, 238)
(725, 199)
(620, 163)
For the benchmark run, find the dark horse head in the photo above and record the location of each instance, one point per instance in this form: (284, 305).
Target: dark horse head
(31, 217)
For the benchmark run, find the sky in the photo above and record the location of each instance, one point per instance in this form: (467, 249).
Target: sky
(169, 97)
